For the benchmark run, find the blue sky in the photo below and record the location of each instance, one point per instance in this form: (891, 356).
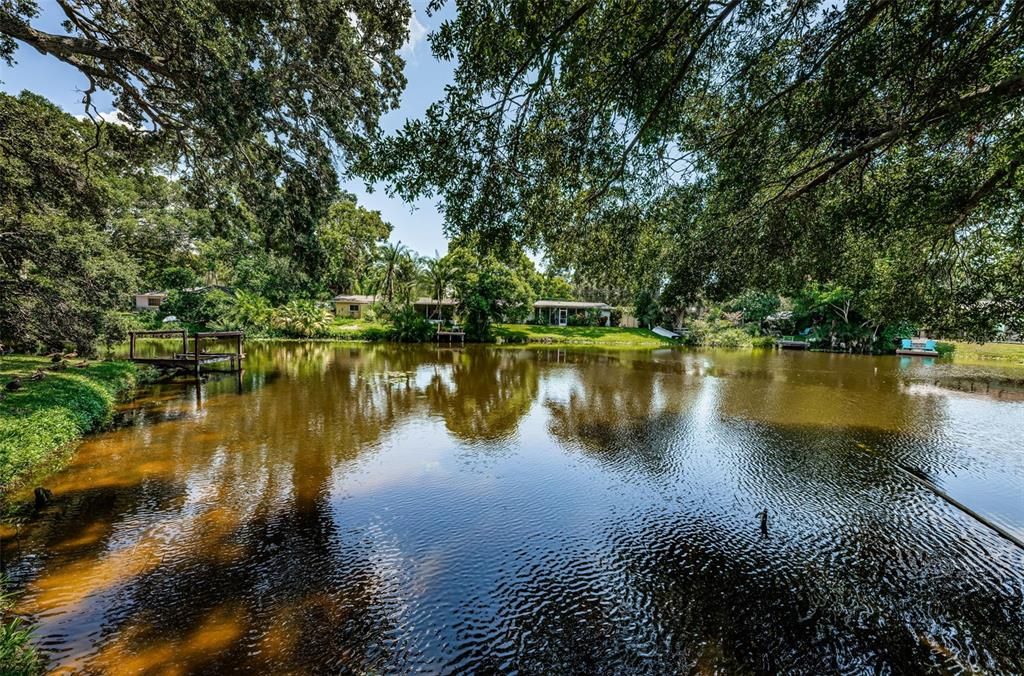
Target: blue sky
(417, 225)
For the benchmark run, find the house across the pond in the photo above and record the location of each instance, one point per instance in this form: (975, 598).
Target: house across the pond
(355, 306)
(352, 306)
(435, 309)
(150, 300)
(557, 312)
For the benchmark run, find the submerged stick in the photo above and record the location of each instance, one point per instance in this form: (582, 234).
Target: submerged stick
(961, 506)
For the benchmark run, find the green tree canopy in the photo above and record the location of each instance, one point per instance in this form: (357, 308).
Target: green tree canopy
(728, 145)
(60, 271)
(349, 237)
(217, 76)
(253, 101)
(488, 290)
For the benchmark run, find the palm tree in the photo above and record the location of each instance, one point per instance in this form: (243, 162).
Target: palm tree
(247, 311)
(437, 276)
(408, 277)
(389, 260)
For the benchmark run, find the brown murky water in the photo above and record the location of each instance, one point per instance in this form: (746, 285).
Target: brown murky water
(389, 509)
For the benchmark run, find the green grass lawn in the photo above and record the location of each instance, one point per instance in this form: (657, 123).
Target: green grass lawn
(356, 329)
(1009, 354)
(597, 336)
(46, 416)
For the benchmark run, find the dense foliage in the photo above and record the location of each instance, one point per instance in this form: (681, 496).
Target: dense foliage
(254, 101)
(409, 326)
(487, 290)
(723, 146)
(18, 656)
(87, 220)
(663, 156)
(60, 220)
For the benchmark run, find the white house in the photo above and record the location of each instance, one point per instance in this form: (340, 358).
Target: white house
(352, 306)
(150, 300)
(435, 309)
(557, 312)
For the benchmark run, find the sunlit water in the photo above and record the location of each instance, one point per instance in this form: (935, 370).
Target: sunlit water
(388, 509)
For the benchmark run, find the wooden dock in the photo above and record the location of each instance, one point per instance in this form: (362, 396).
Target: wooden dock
(793, 342)
(450, 335)
(194, 359)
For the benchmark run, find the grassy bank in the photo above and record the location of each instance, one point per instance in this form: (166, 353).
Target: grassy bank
(597, 336)
(46, 416)
(356, 329)
(1007, 354)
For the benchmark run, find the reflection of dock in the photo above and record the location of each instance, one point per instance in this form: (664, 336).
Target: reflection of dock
(194, 359)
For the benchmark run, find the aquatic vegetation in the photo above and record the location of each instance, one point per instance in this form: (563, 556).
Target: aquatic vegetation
(17, 656)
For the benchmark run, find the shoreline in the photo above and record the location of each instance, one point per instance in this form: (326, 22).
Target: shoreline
(42, 422)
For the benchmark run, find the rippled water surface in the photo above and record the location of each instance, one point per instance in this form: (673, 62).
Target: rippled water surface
(389, 509)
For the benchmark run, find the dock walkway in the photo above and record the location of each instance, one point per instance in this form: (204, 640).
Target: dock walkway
(450, 334)
(194, 359)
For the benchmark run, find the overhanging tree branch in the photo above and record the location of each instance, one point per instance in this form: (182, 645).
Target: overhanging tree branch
(64, 46)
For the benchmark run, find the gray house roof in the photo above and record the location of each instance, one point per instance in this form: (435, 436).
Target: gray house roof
(431, 301)
(571, 305)
(355, 300)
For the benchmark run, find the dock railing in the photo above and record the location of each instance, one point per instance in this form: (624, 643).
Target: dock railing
(194, 359)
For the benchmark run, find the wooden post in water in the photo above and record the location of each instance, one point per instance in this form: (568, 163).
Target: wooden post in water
(196, 355)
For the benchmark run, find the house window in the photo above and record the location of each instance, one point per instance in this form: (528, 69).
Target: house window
(353, 309)
(153, 302)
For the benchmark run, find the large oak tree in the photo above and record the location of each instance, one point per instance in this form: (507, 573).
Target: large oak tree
(260, 101)
(734, 143)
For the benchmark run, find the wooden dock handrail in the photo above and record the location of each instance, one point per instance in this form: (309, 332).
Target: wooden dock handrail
(195, 358)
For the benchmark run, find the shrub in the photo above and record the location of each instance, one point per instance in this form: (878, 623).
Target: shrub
(198, 308)
(248, 311)
(374, 333)
(762, 341)
(646, 309)
(588, 317)
(717, 333)
(945, 349)
(408, 326)
(302, 319)
(115, 326)
(17, 656)
(16, 652)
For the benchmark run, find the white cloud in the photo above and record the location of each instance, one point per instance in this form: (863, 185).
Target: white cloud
(417, 34)
(112, 117)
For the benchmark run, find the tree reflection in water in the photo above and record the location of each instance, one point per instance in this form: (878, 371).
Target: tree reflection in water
(390, 509)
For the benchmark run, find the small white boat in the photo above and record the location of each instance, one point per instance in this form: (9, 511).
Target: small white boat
(665, 333)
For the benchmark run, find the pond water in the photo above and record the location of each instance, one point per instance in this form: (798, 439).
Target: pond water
(393, 509)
